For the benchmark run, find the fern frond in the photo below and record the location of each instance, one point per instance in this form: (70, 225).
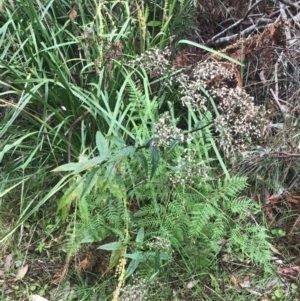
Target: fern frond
(200, 218)
(218, 229)
(230, 187)
(72, 240)
(252, 240)
(237, 205)
(113, 214)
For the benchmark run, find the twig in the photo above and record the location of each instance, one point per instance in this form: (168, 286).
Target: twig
(213, 291)
(71, 133)
(287, 31)
(242, 33)
(214, 38)
(294, 181)
(288, 2)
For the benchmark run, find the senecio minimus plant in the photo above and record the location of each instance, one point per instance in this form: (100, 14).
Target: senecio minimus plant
(239, 121)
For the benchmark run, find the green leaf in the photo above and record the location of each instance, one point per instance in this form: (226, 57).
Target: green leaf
(212, 51)
(67, 167)
(136, 256)
(131, 267)
(88, 239)
(73, 193)
(171, 146)
(102, 144)
(117, 245)
(89, 164)
(153, 23)
(125, 152)
(140, 236)
(117, 189)
(154, 160)
(142, 159)
(13, 186)
(83, 208)
(115, 257)
(8, 147)
(90, 182)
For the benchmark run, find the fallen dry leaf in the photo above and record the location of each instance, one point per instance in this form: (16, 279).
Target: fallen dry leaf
(22, 272)
(191, 284)
(234, 281)
(254, 292)
(73, 13)
(274, 250)
(245, 283)
(8, 262)
(60, 275)
(37, 298)
(292, 271)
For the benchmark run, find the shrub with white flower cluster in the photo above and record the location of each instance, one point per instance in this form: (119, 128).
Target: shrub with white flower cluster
(165, 132)
(240, 122)
(154, 61)
(160, 244)
(189, 168)
(137, 291)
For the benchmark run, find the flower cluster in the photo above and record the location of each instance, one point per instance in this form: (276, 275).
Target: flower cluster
(189, 169)
(205, 75)
(137, 291)
(159, 243)
(165, 132)
(154, 61)
(240, 122)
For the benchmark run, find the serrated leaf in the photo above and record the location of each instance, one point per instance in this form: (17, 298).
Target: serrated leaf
(117, 245)
(102, 144)
(173, 168)
(73, 192)
(83, 208)
(118, 190)
(78, 167)
(90, 182)
(154, 160)
(88, 239)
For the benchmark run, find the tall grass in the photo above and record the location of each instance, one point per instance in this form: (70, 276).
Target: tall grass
(76, 137)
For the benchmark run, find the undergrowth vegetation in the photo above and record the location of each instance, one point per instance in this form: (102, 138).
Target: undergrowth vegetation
(128, 170)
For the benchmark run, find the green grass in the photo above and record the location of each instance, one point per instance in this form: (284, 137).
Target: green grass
(91, 191)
